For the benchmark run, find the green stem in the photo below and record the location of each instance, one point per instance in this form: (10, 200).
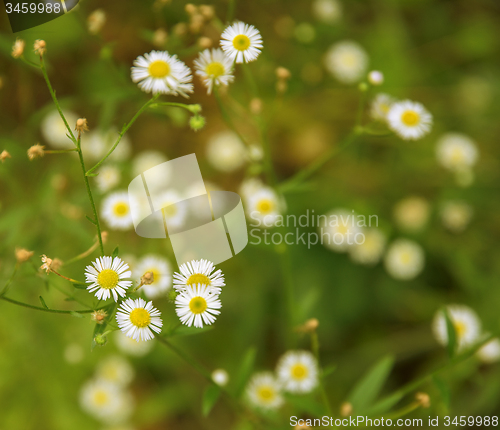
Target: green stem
(6, 286)
(39, 308)
(193, 108)
(83, 254)
(29, 63)
(250, 80)
(230, 10)
(124, 130)
(59, 151)
(315, 349)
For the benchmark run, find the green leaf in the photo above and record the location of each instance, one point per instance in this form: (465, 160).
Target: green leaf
(43, 302)
(79, 286)
(385, 404)
(76, 314)
(452, 335)
(91, 220)
(210, 397)
(306, 405)
(444, 390)
(246, 369)
(115, 252)
(367, 389)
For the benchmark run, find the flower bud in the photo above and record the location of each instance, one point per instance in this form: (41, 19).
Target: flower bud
(4, 155)
(197, 122)
(172, 295)
(148, 278)
(23, 255)
(18, 48)
(36, 151)
(423, 399)
(99, 316)
(100, 340)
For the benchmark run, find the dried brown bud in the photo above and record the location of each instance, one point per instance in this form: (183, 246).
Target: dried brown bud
(191, 9)
(180, 29)
(96, 21)
(148, 278)
(256, 106)
(40, 47)
(345, 409)
(23, 255)
(282, 73)
(160, 37)
(99, 316)
(81, 125)
(36, 151)
(4, 155)
(47, 264)
(205, 42)
(56, 264)
(104, 236)
(423, 399)
(207, 11)
(18, 48)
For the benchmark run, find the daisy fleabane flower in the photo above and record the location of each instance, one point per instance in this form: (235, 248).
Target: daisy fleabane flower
(241, 42)
(214, 67)
(465, 322)
(160, 72)
(199, 272)
(347, 61)
(409, 120)
(197, 305)
(107, 276)
(380, 106)
(264, 391)
(138, 319)
(115, 210)
(405, 259)
(298, 371)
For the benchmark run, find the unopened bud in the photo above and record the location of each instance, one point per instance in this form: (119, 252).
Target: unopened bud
(256, 106)
(205, 42)
(363, 87)
(207, 11)
(423, 399)
(101, 339)
(345, 409)
(172, 295)
(197, 122)
(375, 78)
(191, 9)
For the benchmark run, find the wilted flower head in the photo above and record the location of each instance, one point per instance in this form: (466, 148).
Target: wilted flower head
(36, 151)
(99, 316)
(4, 155)
(23, 255)
(40, 47)
(81, 125)
(96, 21)
(18, 48)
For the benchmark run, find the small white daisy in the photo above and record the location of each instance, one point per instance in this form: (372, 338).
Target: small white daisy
(129, 346)
(412, 213)
(371, 250)
(199, 272)
(215, 68)
(108, 177)
(347, 61)
(160, 72)
(173, 209)
(138, 319)
(115, 369)
(197, 305)
(466, 323)
(263, 207)
(376, 78)
(456, 215)
(54, 130)
(340, 231)
(409, 120)
(264, 391)
(490, 352)
(404, 260)
(115, 210)
(380, 106)
(108, 275)
(241, 42)
(220, 377)
(328, 11)
(226, 152)
(298, 371)
(162, 275)
(147, 160)
(456, 151)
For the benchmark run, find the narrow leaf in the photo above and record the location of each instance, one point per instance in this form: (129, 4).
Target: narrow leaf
(79, 286)
(43, 302)
(210, 397)
(115, 252)
(91, 220)
(452, 335)
(246, 368)
(76, 314)
(385, 404)
(444, 390)
(306, 405)
(367, 389)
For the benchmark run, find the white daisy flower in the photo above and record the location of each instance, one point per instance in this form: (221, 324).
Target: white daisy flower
(108, 177)
(456, 151)
(226, 152)
(241, 42)
(340, 231)
(371, 250)
(173, 209)
(328, 11)
(115, 210)
(115, 369)
(409, 120)
(138, 319)
(215, 68)
(129, 346)
(404, 260)
(147, 160)
(376, 78)
(160, 72)
(347, 61)
(162, 275)
(220, 377)
(199, 272)
(263, 207)
(466, 323)
(197, 305)
(108, 275)
(490, 352)
(456, 215)
(106, 401)
(380, 106)
(412, 213)
(249, 186)
(264, 391)
(54, 130)
(298, 372)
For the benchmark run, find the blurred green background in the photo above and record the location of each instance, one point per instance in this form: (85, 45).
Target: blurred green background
(444, 54)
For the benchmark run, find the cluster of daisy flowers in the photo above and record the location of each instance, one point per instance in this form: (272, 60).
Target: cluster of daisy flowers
(106, 396)
(159, 72)
(197, 288)
(296, 372)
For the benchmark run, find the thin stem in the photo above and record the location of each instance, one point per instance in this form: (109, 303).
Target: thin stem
(59, 151)
(54, 311)
(250, 80)
(124, 130)
(29, 63)
(83, 254)
(225, 116)
(230, 10)
(6, 286)
(74, 281)
(191, 108)
(315, 349)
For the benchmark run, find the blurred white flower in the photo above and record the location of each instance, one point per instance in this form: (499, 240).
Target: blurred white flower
(160, 72)
(241, 42)
(220, 377)
(369, 252)
(214, 68)
(162, 275)
(340, 230)
(173, 209)
(456, 215)
(108, 177)
(115, 369)
(328, 11)
(108, 276)
(264, 391)
(197, 272)
(456, 151)
(409, 120)
(226, 152)
(197, 305)
(376, 77)
(404, 260)
(132, 347)
(412, 213)
(115, 210)
(347, 61)
(298, 372)
(54, 130)
(380, 106)
(138, 319)
(465, 322)
(490, 352)
(262, 207)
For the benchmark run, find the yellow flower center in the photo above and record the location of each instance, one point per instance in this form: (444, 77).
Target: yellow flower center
(265, 206)
(198, 305)
(266, 394)
(159, 69)
(299, 371)
(385, 107)
(459, 328)
(107, 279)
(349, 60)
(457, 156)
(140, 317)
(120, 209)
(100, 398)
(198, 278)
(405, 258)
(215, 69)
(343, 229)
(410, 118)
(241, 42)
(170, 210)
